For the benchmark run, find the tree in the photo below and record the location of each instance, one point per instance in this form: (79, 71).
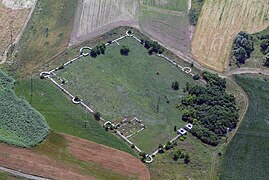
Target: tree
(176, 155)
(266, 63)
(175, 85)
(196, 77)
(124, 50)
(186, 159)
(97, 116)
(94, 52)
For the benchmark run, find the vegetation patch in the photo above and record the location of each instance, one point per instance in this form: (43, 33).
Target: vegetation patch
(223, 20)
(196, 8)
(47, 34)
(246, 156)
(20, 124)
(121, 86)
(251, 50)
(64, 116)
(210, 109)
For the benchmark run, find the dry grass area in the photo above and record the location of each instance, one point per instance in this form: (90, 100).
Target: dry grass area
(12, 21)
(220, 21)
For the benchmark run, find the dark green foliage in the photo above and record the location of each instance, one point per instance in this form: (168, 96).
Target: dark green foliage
(124, 50)
(176, 154)
(175, 85)
(168, 145)
(97, 116)
(196, 77)
(186, 159)
(152, 46)
(266, 63)
(195, 11)
(97, 50)
(243, 47)
(20, 124)
(213, 109)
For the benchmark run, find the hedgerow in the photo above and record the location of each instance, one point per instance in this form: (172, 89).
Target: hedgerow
(20, 124)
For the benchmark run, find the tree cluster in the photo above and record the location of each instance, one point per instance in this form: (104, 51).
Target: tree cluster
(97, 50)
(243, 47)
(265, 48)
(210, 109)
(152, 46)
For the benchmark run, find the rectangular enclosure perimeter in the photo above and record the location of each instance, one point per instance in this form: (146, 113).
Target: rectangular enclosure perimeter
(133, 85)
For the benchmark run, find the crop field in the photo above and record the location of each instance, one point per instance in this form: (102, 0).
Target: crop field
(20, 124)
(12, 21)
(220, 21)
(63, 116)
(47, 34)
(93, 17)
(63, 156)
(118, 86)
(246, 156)
(165, 21)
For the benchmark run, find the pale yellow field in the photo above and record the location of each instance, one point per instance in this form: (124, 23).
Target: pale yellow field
(220, 21)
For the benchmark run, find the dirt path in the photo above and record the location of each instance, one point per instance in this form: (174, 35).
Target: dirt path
(20, 174)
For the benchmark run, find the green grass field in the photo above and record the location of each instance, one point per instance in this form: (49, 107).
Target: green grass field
(47, 33)
(118, 86)
(164, 167)
(247, 155)
(63, 116)
(20, 124)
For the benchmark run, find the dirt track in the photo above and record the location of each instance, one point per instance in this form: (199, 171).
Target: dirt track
(30, 162)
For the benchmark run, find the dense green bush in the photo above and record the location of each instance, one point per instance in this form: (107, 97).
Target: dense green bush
(20, 124)
(210, 109)
(243, 47)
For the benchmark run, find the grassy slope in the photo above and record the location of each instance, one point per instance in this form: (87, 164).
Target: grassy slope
(247, 155)
(38, 45)
(125, 85)
(164, 167)
(20, 124)
(175, 5)
(63, 116)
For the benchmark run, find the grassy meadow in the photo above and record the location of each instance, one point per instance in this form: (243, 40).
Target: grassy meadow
(47, 34)
(63, 116)
(118, 86)
(246, 156)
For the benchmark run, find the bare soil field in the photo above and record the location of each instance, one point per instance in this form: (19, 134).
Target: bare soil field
(12, 21)
(165, 21)
(220, 21)
(81, 159)
(95, 17)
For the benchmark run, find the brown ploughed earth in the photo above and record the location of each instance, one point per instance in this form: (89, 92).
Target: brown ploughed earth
(81, 159)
